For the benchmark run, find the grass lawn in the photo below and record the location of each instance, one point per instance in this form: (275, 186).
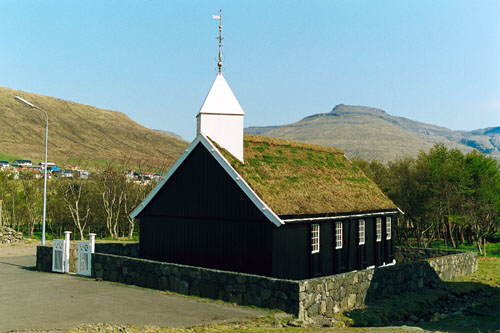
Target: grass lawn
(483, 315)
(492, 248)
(467, 304)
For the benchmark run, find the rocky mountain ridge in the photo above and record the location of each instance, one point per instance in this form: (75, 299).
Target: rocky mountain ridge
(374, 134)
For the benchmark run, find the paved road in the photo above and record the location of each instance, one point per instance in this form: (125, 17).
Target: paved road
(30, 299)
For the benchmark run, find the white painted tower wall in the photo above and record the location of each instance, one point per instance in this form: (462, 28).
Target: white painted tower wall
(226, 130)
(221, 118)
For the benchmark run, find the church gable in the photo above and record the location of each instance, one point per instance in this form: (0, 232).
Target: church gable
(201, 188)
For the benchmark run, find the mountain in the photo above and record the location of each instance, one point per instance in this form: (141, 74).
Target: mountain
(373, 134)
(79, 133)
(172, 134)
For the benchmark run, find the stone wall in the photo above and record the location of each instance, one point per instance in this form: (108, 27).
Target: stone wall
(44, 258)
(417, 253)
(8, 235)
(240, 288)
(454, 265)
(308, 299)
(119, 249)
(327, 295)
(44, 254)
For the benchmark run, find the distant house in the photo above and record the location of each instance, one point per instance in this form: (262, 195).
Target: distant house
(83, 174)
(41, 172)
(4, 165)
(67, 173)
(22, 163)
(264, 206)
(49, 165)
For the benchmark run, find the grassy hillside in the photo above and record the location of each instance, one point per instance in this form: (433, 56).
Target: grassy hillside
(373, 134)
(79, 133)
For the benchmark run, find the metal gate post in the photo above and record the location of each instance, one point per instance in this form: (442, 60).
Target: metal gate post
(66, 250)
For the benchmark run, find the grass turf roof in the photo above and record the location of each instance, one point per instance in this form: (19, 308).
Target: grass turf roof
(297, 179)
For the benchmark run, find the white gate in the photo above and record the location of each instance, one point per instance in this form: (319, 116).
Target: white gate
(58, 255)
(84, 258)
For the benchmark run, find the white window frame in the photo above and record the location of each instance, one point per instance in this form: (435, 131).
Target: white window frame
(388, 227)
(339, 228)
(378, 229)
(315, 238)
(362, 231)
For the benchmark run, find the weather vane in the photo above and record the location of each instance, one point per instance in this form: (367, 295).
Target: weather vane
(219, 17)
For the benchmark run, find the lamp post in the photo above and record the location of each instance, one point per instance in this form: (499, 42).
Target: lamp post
(32, 106)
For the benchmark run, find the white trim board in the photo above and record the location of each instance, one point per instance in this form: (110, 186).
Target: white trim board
(339, 217)
(201, 138)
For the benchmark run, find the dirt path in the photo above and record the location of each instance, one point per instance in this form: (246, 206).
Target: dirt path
(23, 248)
(33, 300)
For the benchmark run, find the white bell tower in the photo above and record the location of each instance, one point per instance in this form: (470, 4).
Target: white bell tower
(221, 116)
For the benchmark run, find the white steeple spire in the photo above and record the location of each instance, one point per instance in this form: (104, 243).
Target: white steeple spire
(221, 99)
(221, 118)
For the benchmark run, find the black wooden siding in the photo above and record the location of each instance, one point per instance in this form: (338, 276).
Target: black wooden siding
(292, 257)
(201, 188)
(201, 217)
(291, 251)
(240, 247)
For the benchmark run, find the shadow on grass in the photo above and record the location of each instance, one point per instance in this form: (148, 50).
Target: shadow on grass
(429, 302)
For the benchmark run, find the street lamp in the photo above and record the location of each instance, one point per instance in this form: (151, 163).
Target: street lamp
(32, 106)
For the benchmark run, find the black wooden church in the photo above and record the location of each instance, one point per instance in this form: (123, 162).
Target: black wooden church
(264, 206)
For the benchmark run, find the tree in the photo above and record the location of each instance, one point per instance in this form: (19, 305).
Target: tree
(75, 195)
(32, 195)
(135, 193)
(483, 204)
(448, 180)
(407, 187)
(110, 184)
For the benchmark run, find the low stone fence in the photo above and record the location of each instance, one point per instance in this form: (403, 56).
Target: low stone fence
(232, 287)
(327, 295)
(44, 254)
(119, 249)
(448, 264)
(418, 253)
(308, 299)
(44, 258)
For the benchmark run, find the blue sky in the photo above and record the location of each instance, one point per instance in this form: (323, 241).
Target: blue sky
(432, 61)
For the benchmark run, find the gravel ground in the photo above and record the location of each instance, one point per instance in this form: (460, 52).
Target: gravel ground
(26, 247)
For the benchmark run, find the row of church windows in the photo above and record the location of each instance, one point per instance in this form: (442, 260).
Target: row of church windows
(361, 233)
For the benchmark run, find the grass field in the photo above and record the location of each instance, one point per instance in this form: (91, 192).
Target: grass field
(9, 157)
(492, 248)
